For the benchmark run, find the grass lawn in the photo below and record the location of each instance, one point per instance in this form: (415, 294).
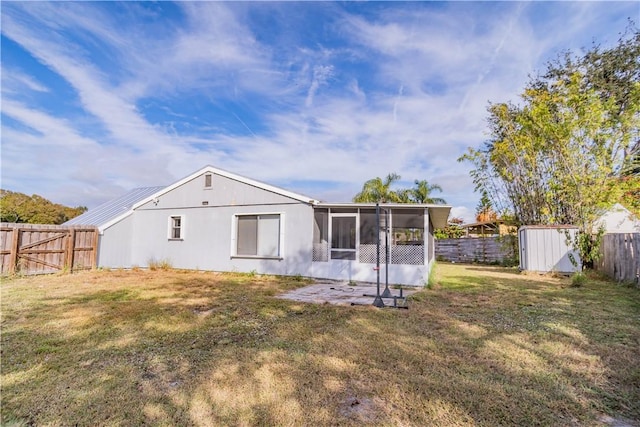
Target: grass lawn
(486, 346)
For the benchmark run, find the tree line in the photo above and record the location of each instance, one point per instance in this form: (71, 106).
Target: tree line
(569, 148)
(35, 209)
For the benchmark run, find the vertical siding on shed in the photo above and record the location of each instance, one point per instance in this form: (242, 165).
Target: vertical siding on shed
(546, 250)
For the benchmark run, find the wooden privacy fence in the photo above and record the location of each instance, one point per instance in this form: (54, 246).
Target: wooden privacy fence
(39, 249)
(484, 250)
(620, 257)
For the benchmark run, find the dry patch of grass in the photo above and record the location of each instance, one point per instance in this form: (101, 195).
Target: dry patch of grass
(486, 346)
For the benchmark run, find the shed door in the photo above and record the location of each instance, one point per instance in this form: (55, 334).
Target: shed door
(522, 237)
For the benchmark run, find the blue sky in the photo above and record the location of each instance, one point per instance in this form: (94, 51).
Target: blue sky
(315, 97)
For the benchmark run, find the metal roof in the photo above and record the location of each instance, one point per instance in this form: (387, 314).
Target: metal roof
(112, 209)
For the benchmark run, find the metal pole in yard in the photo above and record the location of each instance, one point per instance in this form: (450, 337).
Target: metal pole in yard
(387, 254)
(378, 300)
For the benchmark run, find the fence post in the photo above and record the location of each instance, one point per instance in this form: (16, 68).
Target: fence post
(94, 245)
(15, 243)
(71, 246)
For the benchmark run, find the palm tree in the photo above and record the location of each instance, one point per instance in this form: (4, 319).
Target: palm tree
(377, 190)
(421, 193)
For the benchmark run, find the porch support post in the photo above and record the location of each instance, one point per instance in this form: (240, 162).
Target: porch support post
(426, 236)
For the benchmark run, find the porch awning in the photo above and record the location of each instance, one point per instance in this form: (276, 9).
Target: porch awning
(438, 213)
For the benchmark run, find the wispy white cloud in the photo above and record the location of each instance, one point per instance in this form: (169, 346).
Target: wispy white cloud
(14, 82)
(120, 117)
(402, 88)
(43, 124)
(321, 74)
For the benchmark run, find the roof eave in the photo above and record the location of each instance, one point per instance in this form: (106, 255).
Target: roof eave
(437, 213)
(382, 205)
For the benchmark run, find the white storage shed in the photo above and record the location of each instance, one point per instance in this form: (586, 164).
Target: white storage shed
(546, 249)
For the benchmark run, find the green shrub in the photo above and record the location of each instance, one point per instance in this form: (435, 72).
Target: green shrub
(578, 279)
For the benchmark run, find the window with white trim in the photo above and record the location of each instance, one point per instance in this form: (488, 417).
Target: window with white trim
(208, 180)
(258, 235)
(176, 227)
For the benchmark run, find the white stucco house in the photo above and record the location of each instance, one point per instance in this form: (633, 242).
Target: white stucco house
(217, 220)
(618, 219)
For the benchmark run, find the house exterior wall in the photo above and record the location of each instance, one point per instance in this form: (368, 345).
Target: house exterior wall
(618, 220)
(413, 275)
(209, 233)
(114, 245)
(545, 249)
(208, 230)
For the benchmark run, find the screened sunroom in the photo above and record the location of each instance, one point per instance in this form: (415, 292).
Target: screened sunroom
(348, 239)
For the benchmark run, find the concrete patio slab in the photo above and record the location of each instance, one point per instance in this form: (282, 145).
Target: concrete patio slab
(343, 293)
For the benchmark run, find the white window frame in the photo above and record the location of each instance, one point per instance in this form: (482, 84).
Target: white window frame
(170, 227)
(234, 235)
(210, 176)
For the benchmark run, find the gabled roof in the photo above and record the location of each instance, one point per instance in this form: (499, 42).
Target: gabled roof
(113, 209)
(109, 213)
(618, 219)
(239, 178)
